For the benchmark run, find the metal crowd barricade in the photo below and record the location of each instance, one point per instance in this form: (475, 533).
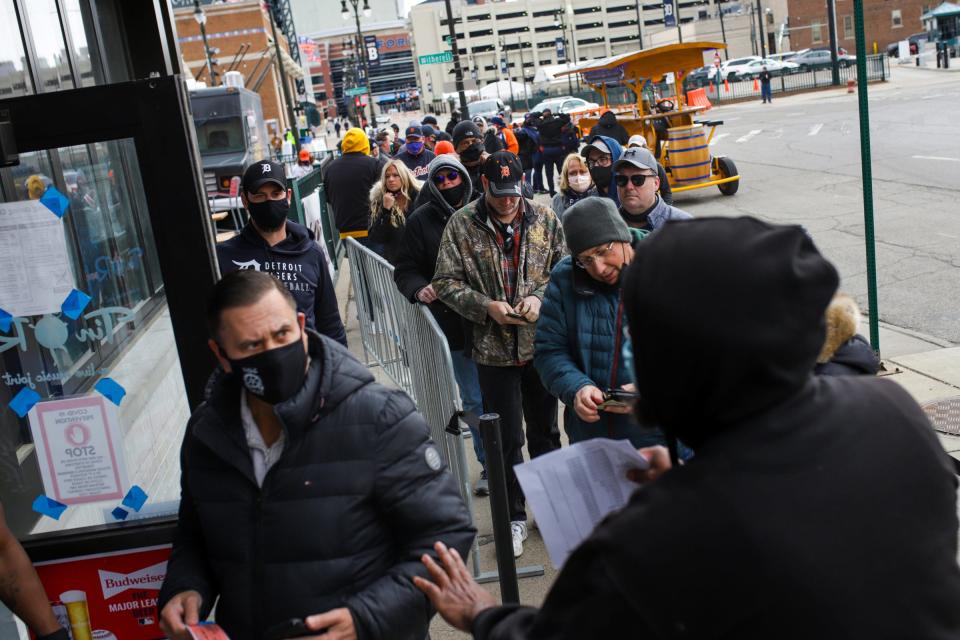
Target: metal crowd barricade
(406, 341)
(379, 314)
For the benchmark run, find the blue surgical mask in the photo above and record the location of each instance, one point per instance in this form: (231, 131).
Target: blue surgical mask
(414, 147)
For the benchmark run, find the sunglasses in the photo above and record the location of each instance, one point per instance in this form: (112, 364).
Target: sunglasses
(508, 232)
(451, 176)
(636, 179)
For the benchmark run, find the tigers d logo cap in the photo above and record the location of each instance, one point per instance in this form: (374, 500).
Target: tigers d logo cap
(505, 173)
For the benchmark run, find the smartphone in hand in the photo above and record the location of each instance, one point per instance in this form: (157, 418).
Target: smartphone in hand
(617, 398)
(292, 628)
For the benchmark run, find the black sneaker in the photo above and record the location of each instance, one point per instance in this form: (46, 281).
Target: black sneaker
(483, 487)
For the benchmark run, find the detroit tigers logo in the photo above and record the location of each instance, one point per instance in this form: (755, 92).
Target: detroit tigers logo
(504, 172)
(264, 168)
(249, 264)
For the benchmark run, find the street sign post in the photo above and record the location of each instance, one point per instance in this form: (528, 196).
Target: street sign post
(436, 58)
(356, 91)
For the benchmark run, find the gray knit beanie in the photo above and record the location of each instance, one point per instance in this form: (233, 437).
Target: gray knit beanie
(591, 222)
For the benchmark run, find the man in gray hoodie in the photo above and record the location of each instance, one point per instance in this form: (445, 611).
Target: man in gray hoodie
(637, 180)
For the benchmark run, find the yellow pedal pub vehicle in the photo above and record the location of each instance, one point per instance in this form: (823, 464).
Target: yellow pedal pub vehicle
(680, 142)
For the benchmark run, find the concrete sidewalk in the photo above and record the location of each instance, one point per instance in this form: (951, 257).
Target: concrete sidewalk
(928, 368)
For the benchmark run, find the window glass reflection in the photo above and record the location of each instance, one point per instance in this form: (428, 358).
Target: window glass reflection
(53, 67)
(81, 52)
(123, 332)
(14, 79)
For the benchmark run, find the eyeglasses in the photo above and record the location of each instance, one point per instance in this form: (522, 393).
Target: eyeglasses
(597, 255)
(636, 179)
(603, 161)
(258, 198)
(449, 176)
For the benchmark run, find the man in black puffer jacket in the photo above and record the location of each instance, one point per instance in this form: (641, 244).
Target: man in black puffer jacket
(307, 490)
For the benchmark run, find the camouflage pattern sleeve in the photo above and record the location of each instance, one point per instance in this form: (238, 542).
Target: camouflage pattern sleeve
(556, 251)
(450, 278)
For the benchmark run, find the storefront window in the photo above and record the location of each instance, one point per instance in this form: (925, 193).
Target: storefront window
(14, 79)
(92, 405)
(53, 67)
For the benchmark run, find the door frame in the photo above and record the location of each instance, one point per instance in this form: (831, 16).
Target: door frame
(155, 114)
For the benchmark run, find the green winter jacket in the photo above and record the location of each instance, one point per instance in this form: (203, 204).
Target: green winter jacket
(469, 276)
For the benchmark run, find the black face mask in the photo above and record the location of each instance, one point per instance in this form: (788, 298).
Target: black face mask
(472, 153)
(454, 195)
(269, 215)
(601, 176)
(275, 375)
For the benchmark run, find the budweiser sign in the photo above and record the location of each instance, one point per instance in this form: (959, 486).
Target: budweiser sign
(148, 578)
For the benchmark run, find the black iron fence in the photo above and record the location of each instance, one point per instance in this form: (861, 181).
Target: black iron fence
(878, 70)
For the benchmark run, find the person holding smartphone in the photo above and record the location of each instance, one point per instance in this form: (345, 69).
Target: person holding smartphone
(578, 349)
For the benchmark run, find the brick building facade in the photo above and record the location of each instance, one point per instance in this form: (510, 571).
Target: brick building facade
(230, 26)
(885, 21)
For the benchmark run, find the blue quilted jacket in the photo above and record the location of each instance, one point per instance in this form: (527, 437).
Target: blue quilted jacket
(575, 346)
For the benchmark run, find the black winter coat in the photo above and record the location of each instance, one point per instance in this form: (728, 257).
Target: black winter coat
(551, 130)
(855, 357)
(815, 507)
(416, 258)
(608, 126)
(347, 183)
(341, 521)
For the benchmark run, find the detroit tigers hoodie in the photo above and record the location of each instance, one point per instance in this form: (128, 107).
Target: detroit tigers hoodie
(298, 263)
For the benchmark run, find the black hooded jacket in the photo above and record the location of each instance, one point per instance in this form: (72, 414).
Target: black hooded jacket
(815, 507)
(299, 264)
(342, 519)
(608, 126)
(551, 129)
(416, 257)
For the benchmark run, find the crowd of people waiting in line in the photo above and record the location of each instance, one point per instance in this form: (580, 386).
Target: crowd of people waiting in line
(786, 497)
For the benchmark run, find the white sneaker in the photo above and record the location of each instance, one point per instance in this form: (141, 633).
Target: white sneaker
(519, 531)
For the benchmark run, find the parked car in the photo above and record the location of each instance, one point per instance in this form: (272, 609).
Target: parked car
(699, 77)
(735, 66)
(915, 40)
(564, 104)
(820, 59)
(383, 118)
(489, 108)
(753, 69)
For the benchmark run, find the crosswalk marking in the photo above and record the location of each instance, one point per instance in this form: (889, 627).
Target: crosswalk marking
(815, 129)
(747, 137)
(942, 158)
(719, 136)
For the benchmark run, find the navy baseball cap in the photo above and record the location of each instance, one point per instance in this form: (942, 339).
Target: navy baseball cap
(505, 173)
(413, 131)
(262, 172)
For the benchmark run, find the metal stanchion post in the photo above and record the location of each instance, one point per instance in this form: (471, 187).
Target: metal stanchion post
(499, 510)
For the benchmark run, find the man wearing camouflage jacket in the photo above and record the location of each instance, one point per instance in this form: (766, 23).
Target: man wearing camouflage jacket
(494, 264)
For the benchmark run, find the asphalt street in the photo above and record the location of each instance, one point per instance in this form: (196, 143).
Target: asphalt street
(800, 162)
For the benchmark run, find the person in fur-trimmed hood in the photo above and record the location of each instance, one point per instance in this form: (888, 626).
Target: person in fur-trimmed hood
(391, 200)
(845, 352)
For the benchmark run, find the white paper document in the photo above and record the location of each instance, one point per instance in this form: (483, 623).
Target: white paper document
(571, 490)
(35, 273)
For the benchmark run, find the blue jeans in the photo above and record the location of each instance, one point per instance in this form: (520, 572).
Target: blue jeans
(537, 171)
(766, 95)
(465, 371)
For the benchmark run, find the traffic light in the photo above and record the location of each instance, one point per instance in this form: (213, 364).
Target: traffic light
(356, 101)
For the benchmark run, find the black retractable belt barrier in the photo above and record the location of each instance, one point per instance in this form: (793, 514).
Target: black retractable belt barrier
(499, 509)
